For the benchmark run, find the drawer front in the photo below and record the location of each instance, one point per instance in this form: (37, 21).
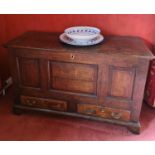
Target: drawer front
(105, 112)
(44, 103)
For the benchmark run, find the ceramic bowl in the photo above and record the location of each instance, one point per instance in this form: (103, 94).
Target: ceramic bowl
(82, 32)
(67, 40)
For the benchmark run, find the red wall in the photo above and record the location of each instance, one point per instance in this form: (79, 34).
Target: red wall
(13, 25)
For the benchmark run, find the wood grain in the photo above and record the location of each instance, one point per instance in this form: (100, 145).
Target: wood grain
(103, 82)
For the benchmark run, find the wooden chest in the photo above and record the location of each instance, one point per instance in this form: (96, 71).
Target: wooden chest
(104, 82)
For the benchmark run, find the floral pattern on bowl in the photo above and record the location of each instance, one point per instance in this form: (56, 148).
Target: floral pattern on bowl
(65, 39)
(82, 32)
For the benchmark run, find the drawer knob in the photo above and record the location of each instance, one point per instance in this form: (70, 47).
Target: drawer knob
(90, 111)
(116, 115)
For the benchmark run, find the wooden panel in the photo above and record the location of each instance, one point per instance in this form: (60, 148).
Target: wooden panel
(105, 112)
(121, 82)
(74, 71)
(44, 103)
(29, 72)
(73, 77)
(74, 85)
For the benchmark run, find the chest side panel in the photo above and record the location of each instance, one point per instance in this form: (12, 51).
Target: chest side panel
(121, 82)
(118, 82)
(28, 72)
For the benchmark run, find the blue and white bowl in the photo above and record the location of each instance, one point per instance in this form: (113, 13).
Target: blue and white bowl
(82, 33)
(65, 39)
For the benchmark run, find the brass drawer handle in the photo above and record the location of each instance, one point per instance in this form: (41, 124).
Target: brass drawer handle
(90, 111)
(102, 110)
(116, 115)
(31, 102)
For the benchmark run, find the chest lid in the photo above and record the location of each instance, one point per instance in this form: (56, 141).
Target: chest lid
(116, 45)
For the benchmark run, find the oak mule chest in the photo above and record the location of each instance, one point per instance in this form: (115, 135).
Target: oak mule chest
(104, 82)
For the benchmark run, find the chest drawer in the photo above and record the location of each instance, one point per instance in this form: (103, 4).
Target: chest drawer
(105, 112)
(44, 103)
